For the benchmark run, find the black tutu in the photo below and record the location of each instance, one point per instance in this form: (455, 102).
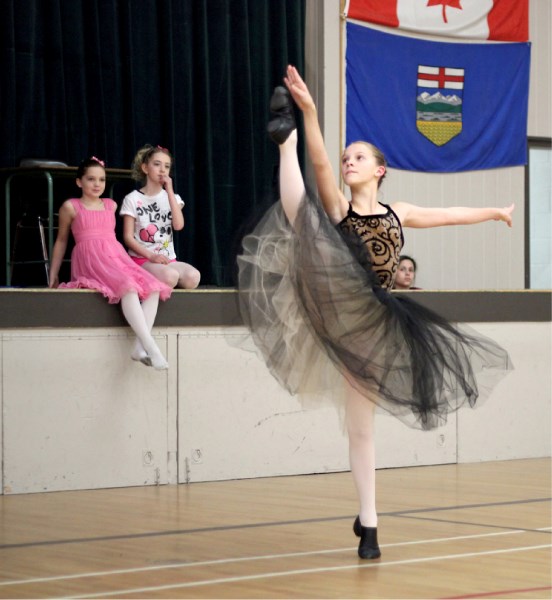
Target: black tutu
(317, 313)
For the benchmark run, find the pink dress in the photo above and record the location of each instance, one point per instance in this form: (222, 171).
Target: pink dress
(99, 262)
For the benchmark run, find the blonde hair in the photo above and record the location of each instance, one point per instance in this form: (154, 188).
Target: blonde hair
(143, 157)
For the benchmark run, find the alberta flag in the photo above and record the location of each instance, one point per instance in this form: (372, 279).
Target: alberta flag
(437, 106)
(505, 20)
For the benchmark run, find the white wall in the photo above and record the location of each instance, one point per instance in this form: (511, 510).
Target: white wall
(77, 413)
(540, 228)
(488, 256)
(540, 86)
(518, 415)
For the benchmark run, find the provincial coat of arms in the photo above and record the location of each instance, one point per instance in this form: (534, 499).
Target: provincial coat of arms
(439, 103)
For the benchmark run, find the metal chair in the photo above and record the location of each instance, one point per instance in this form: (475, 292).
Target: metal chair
(32, 220)
(31, 223)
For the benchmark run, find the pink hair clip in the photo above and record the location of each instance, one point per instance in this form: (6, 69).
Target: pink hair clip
(164, 149)
(101, 162)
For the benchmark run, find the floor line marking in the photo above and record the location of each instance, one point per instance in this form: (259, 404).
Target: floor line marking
(150, 534)
(251, 558)
(497, 593)
(270, 575)
(470, 523)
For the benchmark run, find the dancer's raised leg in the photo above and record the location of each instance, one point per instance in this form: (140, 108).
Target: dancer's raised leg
(283, 131)
(140, 317)
(292, 185)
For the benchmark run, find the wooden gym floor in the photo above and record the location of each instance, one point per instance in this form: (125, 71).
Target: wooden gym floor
(451, 531)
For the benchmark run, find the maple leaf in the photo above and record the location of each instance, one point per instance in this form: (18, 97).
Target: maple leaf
(445, 3)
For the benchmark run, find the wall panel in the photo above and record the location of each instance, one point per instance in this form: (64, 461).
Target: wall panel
(79, 414)
(540, 87)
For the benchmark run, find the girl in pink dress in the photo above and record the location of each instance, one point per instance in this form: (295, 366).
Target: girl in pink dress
(99, 262)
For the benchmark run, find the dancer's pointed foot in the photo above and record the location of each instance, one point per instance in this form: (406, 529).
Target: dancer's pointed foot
(158, 362)
(283, 121)
(141, 356)
(154, 357)
(368, 546)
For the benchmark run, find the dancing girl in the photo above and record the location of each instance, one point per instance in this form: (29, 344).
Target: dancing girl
(314, 280)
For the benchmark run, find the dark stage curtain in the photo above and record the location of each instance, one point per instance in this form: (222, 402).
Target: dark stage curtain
(104, 77)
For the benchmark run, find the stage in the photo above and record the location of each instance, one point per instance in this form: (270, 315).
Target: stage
(77, 413)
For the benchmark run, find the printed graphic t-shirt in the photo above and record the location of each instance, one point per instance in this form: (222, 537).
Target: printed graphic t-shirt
(153, 221)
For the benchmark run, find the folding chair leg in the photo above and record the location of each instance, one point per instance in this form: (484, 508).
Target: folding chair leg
(44, 250)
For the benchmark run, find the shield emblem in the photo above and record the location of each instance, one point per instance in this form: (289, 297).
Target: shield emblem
(439, 103)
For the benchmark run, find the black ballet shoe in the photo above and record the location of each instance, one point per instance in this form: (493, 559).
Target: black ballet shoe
(283, 123)
(357, 527)
(368, 545)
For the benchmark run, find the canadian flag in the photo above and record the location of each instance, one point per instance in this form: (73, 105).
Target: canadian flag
(504, 20)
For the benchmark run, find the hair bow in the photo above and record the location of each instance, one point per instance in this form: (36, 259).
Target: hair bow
(163, 149)
(101, 162)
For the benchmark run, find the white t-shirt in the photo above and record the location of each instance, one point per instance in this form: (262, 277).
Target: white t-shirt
(153, 221)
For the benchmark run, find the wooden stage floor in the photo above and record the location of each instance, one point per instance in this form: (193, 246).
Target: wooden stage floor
(451, 531)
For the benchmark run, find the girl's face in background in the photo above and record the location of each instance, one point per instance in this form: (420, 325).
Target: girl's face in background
(406, 272)
(92, 182)
(158, 167)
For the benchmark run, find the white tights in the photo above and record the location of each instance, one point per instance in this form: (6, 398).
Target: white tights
(174, 274)
(292, 186)
(360, 414)
(140, 317)
(360, 411)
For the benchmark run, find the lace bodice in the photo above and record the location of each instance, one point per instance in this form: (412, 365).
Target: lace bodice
(383, 238)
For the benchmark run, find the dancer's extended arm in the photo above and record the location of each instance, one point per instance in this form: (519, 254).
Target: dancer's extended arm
(417, 216)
